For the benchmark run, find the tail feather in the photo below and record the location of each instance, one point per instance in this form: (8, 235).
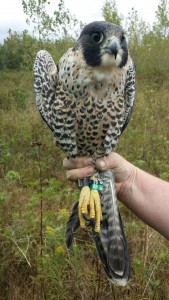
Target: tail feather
(72, 225)
(111, 238)
(110, 242)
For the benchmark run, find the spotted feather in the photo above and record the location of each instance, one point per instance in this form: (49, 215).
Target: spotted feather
(87, 100)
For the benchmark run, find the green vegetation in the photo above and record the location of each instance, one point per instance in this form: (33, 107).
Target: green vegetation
(36, 198)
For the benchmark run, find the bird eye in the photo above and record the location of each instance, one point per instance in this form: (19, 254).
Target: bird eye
(97, 37)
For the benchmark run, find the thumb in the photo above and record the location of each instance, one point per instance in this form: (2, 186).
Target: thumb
(107, 162)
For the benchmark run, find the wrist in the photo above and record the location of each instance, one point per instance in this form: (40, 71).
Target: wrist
(128, 186)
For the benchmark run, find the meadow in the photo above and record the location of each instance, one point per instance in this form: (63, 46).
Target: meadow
(36, 200)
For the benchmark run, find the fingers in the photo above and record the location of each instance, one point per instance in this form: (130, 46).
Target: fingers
(108, 162)
(121, 167)
(78, 168)
(79, 162)
(82, 167)
(76, 174)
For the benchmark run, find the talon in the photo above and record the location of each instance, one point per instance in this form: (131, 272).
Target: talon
(85, 216)
(92, 223)
(83, 205)
(98, 212)
(90, 206)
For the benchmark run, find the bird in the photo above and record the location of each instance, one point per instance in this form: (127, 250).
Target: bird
(87, 99)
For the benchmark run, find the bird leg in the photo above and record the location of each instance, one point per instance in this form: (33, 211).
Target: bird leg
(90, 203)
(83, 205)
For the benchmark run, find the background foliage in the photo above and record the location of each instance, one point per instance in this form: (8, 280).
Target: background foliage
(35, 197)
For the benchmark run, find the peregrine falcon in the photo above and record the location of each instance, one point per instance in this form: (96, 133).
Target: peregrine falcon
(87, 100)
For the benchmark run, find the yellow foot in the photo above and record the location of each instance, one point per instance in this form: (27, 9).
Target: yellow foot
(95, 209)
(90, 207)
(83, 204)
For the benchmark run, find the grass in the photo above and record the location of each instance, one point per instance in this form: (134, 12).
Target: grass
(35, 201)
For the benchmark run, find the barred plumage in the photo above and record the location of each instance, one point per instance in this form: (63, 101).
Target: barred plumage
(87, 100)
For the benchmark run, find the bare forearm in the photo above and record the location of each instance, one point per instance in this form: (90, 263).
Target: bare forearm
(144, 194)
(148, 197)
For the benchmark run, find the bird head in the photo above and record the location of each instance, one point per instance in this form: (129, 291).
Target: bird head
(103, 45)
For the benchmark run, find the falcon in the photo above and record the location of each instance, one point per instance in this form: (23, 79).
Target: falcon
(86, 100)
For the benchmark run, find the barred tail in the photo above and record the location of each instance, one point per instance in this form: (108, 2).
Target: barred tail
(111, 242)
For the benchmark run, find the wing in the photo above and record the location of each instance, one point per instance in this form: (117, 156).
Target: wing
(45, 81)
(53, 103)
(120, 120)
(129, 93)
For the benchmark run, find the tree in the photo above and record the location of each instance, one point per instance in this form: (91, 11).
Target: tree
(18, 51)
(44, 24)
(110, 13)
(136, 28)
(161, 26)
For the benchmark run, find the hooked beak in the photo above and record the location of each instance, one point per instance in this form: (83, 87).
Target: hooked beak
(112, 48)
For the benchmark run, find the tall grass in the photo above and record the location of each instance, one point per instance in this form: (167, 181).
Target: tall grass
(35, 201)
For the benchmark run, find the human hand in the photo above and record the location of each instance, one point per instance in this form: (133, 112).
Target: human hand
(82, 167)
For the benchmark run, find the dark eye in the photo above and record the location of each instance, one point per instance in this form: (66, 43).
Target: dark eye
(97, 37)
